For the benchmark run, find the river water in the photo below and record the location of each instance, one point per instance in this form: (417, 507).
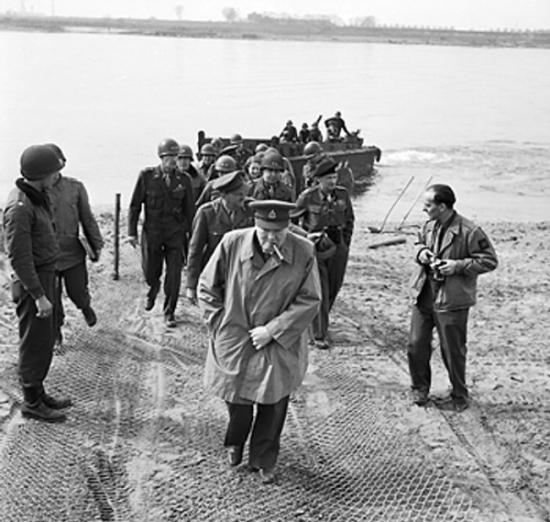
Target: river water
(476, 118)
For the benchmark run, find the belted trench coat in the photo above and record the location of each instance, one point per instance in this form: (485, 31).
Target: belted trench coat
(238, 291)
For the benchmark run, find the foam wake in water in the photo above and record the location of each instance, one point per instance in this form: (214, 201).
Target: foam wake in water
(494, 180)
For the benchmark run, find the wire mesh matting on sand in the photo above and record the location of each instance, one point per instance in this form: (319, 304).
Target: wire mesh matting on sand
(144, 443)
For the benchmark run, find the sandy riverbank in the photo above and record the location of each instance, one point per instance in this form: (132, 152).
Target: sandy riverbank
(498, 451)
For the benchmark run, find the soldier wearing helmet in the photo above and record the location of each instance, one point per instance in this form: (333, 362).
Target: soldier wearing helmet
(237, 150)
(303, 135)
(328, 213)
(335, 125)
(289, 134)
(207, 157)
(287, 177)
(223, 165)
(261, 147)
(313, 151)
(33, 251)
(166, 195)
(185, 165)
(271, 185)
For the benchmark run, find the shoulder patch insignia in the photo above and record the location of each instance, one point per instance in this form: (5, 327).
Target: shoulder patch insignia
(483, 244)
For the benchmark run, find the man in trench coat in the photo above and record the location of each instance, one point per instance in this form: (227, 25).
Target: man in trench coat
(259, 291)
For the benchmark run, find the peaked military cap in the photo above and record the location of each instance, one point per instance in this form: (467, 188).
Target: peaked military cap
(272, 214)
(229, 182)
(324, 167)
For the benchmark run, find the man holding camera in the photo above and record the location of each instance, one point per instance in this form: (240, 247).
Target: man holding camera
(451, 251)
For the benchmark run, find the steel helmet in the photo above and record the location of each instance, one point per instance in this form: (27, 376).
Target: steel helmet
(168, 147)
(185, 152)
(261, 147)
(39, 161)
(58, 151)
(217, 143)
(273, 160)
(225, 164)
(208, 150)
(311, 148)
(236, 138)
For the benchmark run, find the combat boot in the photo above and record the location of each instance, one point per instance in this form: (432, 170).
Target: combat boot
(89, 316)
(39, 411)
(56, 404)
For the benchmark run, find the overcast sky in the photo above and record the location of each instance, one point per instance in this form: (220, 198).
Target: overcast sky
(460, 14)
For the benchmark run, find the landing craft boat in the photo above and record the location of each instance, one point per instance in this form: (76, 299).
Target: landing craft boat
(349, 151)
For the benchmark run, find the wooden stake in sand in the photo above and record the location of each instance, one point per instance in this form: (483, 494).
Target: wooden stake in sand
(388, 242)
(116, 238)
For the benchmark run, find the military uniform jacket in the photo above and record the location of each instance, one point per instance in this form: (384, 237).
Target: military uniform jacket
(168, 211)
(321, 212)
(464, 242)
(262, 190)
(239, 291)
(30, 236)
(211, 223)
(71, 209)
(198, 181)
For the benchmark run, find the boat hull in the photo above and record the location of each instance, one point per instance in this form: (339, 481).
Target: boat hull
(348, 151)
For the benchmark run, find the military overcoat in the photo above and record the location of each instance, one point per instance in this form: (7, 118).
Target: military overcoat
(238, 292)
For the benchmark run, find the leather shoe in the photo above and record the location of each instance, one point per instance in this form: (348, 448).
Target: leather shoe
(420, 398)
(170, 320)
(442, 399)
(321, 344)
(56, 404)
(39, 411)
(458, 406)
(89, 316)
(267, 476)
(149, 304)
(234, 455)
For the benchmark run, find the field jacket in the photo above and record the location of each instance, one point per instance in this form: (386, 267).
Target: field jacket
(30, 236)
(281, 191)
(168, 211)
(71, 209)
(464, 242)
(239, 291)
(211, 223)
(334, 214)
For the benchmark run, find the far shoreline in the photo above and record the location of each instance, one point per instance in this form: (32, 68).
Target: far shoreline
(274, 29)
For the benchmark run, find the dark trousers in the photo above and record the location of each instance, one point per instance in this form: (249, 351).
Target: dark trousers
(267, 428)
(75, 279)
(153, 257)
(331, 274)
(452, 331)
(36, 339)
